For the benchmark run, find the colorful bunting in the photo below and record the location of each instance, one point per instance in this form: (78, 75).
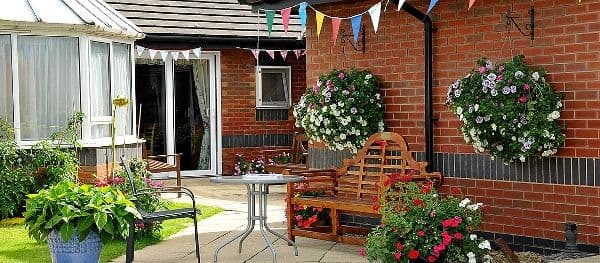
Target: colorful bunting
(431, 5)
(255, 53)
(164, 55)
(197, 52)
(285, 17)
(139, 50)
(270, 15)
(283, 54)
(271, 53)
(319, 17)
(152, 53)
(471, 2)
(400, 4)
(186, 54)
(298, 53)
(356, 20)
(335, 27)
(175, 55)
(375, 12)
(302, 13)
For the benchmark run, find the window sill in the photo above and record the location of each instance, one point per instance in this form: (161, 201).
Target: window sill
(93, 143)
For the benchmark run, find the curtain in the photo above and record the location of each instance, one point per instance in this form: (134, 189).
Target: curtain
(122, 87)
(6, 99)
(100, 86)
(202, 83)
(48, 84)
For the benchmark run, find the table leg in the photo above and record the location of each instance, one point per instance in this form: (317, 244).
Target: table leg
(262, 217)
(291, 243)
(249, 227)
(251, 215)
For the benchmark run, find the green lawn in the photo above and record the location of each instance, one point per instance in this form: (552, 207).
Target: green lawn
(16, 246)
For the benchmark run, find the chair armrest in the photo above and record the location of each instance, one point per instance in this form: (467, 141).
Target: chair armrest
(164, 155)
(174, 189)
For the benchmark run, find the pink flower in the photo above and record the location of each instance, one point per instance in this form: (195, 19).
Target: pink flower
(341, 75)
(398, 256)
(522, 99)
(500, 78)
(482, 70)
(432, 213)
(458, 236)
(501, 68)
(299, 218)
(421, 233)
(526, 86)
(362, 252)
(431, 259)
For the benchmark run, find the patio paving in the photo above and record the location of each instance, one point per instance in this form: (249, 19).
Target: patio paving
(219, 228)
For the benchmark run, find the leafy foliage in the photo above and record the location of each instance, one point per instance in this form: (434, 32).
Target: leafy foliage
(418, 224)
(342, 109)
(282, 158)
(15, 178)
(243, 166)
(71, 208)
(508, 110)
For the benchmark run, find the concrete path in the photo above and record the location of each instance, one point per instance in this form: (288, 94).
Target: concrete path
(220, 228)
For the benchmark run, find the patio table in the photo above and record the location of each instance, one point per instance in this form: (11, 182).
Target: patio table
(257, 186)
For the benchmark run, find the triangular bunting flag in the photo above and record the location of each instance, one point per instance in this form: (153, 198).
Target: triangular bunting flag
(285, 17)
(186, 54)
(400, 4)
(298, 52)
(283, 54)
(164, 55)
(335, 27)
(139, 50)
(356, 26)
(471, 2)
(175, 55)
(302, 13)
(152, 53)
(375, 12)
(271, 53)
(431, 5)
(319, 17)
(197, 52)
(255, 53)
(270, 15)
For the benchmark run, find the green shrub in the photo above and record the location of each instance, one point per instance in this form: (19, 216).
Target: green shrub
(15, 179)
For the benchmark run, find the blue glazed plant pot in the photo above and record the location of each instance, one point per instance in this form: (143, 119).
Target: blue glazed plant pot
(74, 251)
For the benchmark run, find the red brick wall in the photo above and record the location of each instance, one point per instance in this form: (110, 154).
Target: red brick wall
(567, 44)
(533, 209)
(238, 102)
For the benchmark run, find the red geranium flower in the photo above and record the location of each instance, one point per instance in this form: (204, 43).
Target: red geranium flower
(399, 246)
(413, 254)
(418, 202)
(431, 259)
(421, 233)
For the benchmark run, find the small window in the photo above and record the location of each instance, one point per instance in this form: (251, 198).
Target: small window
(6, 97)
(273, 87)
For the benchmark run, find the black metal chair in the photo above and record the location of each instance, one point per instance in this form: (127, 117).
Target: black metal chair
(148, 217)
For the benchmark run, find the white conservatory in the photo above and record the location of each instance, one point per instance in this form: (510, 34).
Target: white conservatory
(58, 57)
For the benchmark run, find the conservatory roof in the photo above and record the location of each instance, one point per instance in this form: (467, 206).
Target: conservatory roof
(93, 15)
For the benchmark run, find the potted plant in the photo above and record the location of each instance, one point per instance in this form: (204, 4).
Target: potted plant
(77, 219)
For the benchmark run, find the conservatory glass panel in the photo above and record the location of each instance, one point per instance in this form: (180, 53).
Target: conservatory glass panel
(100, 80)
(6, 99)
(122, 86)
(48, 84)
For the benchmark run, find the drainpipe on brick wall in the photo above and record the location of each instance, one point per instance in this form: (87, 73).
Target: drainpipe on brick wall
(428, 50)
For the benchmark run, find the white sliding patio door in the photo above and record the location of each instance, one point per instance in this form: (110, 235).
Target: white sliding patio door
(180, 109)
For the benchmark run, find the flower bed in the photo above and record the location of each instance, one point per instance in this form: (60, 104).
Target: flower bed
(342, 109)
(508, 110)
(419, 225)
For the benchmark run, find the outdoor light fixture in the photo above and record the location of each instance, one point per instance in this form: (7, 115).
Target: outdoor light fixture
(359, 45)
(510, 20)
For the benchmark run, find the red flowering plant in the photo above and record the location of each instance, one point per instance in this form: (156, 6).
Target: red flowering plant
(307, 216)
(418, 225)
(282, 158)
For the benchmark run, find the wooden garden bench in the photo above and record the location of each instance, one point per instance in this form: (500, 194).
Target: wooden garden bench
(352, 188)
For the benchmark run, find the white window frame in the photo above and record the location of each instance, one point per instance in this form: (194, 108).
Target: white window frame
(286, 71)
(85, 100)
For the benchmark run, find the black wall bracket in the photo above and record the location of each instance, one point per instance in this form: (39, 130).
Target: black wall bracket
(360, 44)
(529, 29)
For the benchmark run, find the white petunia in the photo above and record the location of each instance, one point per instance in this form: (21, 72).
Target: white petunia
(471, 257)
(535, 76)
(464, 202)
(487, 259)
(485, 245)
(473, 237)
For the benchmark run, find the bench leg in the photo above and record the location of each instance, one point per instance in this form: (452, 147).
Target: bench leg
(290, 212)
(130, 243)
(179, 182)
(335, 223)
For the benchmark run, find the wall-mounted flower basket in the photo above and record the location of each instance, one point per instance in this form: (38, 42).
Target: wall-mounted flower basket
(508, 110)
